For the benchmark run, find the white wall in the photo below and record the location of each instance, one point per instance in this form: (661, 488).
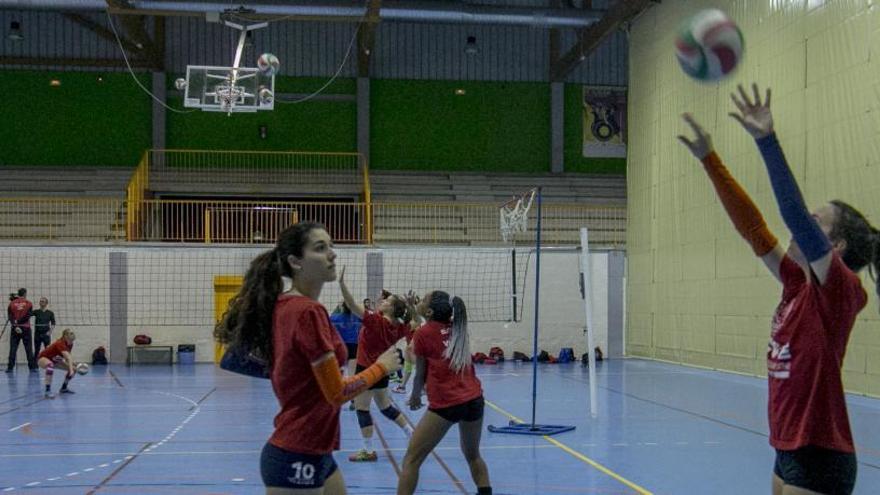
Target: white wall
(170, 290)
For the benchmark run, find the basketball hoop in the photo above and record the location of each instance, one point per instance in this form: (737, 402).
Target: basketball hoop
(515, 214)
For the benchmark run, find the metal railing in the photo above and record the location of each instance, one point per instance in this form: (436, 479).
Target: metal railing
(135, 193)
(244, 221)
(153, 220)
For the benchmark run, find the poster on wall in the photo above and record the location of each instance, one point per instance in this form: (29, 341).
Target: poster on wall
(604, 122)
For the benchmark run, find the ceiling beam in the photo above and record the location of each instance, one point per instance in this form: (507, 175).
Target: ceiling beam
(135, 29)
(555, 41)
(367, 37)
(74, 62)
(591, 37)
(158, 44)
(434, 11)
(101, 31)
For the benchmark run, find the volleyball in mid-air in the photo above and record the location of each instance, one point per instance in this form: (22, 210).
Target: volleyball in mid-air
(268, 64)
(709, 45)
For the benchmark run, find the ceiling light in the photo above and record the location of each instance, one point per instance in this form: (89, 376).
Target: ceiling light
(471, 46)
(15, 33)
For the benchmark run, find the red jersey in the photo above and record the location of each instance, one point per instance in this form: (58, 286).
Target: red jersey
(55, 350)
(377, 335)
(808, 340)
(20, 309)
(446, 388)
(301, 334)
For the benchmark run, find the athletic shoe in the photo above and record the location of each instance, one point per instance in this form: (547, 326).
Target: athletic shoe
(363, 456)
(48, 395)
(66, 390)
(9, 370)
(400, 389)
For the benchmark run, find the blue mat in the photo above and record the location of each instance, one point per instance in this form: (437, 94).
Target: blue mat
(530, 429)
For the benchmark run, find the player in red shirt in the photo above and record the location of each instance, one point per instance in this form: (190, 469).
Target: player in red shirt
(19, 313)
(58, 354)
(379, 329)
(455, 395)
(408, 357)
(821, 297)
(292, 332)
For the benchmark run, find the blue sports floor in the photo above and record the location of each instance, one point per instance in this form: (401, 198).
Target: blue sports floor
(196, 429)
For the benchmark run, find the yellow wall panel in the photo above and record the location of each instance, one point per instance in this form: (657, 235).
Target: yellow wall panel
(696, 293)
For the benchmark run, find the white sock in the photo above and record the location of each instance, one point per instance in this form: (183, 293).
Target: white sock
(368, 444)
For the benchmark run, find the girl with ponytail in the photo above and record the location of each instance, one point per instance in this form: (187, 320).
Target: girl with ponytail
(455, 395)
(821, 297)
(291, 333)
(379, 329)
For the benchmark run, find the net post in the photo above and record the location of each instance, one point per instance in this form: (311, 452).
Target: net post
(588, 317)
(537, 307)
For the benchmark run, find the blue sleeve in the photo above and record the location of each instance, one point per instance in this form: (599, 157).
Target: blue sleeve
(806, 232)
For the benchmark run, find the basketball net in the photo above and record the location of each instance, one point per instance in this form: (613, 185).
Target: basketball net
(515, 215)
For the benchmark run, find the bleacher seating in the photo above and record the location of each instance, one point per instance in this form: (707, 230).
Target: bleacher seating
(98, 221)
(99, 218)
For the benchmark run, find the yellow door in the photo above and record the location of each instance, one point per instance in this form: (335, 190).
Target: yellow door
(225, 288)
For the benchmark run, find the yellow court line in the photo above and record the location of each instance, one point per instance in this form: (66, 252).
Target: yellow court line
(578, 455)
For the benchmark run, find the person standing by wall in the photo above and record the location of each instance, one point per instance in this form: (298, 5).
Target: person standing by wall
(44, 323)
(19, 312)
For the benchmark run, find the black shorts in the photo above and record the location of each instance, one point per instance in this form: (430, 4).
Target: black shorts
(352, 350)
(817, 469)
(284, 469)
(471, 410)
(383, 383)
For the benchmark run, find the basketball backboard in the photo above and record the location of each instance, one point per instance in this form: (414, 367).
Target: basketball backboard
(228, 89)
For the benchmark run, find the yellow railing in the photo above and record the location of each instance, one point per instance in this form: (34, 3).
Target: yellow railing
(260, 222)
(135, 194)
(368, 204)
(244, 221)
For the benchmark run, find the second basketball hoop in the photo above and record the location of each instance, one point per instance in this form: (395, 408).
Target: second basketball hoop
(515, 215)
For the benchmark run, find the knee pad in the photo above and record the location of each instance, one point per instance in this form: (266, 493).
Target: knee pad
(391, 412)
(50, 369)
(364, 418)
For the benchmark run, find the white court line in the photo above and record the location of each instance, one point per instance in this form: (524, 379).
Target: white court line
(19, 426)
(257, 451)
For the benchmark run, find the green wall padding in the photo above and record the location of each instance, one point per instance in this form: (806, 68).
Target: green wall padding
(415, 125)
(81, 122)
(424, 125)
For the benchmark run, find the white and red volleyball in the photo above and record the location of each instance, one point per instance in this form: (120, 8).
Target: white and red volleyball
(709, 45)
(268, 64)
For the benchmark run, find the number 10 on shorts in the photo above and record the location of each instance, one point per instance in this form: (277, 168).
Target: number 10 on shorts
(303, 474)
